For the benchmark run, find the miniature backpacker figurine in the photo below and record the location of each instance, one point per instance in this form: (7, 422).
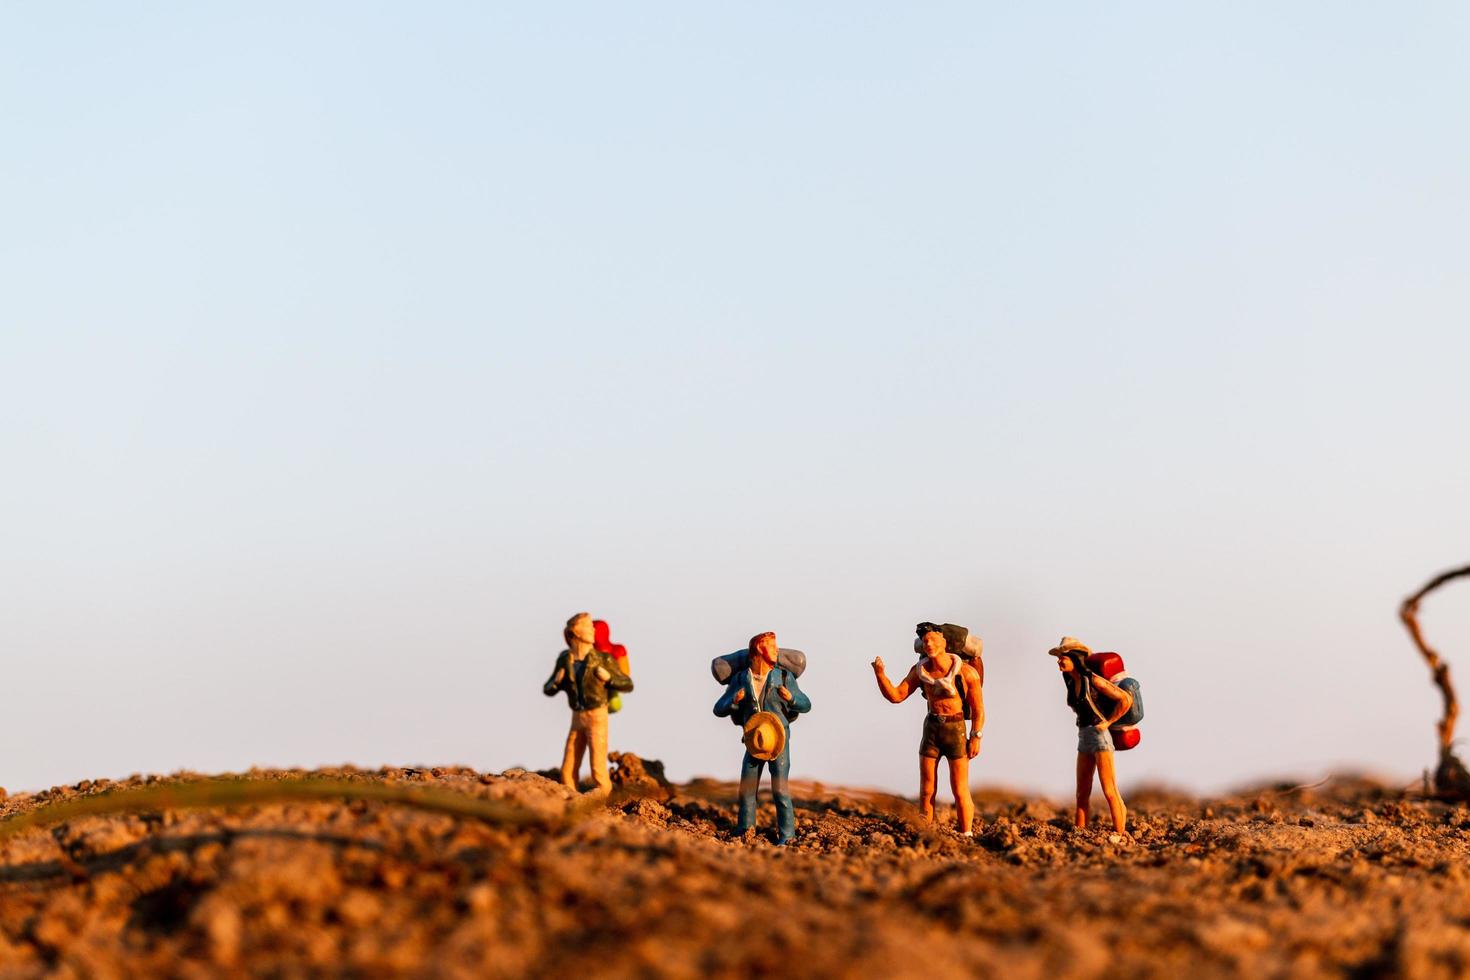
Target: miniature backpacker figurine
(951, 684)
(763, 698)
(1099, 704)
(1125, 730)
(589, 678)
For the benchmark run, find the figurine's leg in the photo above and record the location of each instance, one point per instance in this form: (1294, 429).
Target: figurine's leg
(780, 769)
(928, 786)
(571, 757)
(959, 784)
(750, 777)
(597, 740)
(1085, 768)
(1108, 777)
(581, 750)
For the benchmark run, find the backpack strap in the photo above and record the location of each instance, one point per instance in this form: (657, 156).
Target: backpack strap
(1087, 693)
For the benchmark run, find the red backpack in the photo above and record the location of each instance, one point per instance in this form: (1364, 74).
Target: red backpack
(602, 643)
(1110, 667)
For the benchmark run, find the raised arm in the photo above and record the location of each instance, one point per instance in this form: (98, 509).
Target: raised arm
(1122, 700)
(894, 694)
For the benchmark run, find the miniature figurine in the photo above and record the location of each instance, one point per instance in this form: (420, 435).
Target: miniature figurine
(953, 690)
(587, 676)
(1098, 703)
(763, 698)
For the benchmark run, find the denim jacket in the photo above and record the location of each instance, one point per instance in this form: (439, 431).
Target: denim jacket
(771, 701)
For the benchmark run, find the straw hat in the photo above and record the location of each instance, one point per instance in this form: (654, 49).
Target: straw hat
(765, 736)
(1069, 644)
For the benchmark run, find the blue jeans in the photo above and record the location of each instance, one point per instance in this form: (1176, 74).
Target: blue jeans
(750, 777)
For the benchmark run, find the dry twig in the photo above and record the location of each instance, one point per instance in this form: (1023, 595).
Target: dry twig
(254, 792)
(1451, 777)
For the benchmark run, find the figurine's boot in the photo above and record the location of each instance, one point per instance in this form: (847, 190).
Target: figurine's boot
(750, 778)
(781, 793)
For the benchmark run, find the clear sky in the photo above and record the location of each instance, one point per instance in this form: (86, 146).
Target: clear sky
(347, 349)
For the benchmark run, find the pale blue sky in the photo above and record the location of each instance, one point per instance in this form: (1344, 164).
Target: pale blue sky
(347, 349)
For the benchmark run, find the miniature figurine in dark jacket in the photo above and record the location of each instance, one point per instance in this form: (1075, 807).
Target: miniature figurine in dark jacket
(764, 699)
(586, 675)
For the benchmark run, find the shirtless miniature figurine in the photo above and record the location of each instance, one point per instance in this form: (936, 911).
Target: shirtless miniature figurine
(950, 685)
(587, 676)
(1098, 703)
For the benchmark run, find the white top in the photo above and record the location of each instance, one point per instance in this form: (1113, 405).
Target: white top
(945, 683)
(757, 689)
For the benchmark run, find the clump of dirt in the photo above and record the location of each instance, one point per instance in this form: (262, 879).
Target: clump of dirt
(639, 777)
(1351, 877)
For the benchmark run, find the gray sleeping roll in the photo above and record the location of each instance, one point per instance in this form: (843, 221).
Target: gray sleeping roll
(726, 667)
(792, 660)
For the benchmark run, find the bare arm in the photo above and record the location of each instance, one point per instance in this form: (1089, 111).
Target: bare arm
(893, 694)
(976, 697)
(1122, 700)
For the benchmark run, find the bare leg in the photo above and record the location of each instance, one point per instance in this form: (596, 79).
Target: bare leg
(1108, 777)
(928, 786)
(959, 784)
(1086, 766)
(597, 739)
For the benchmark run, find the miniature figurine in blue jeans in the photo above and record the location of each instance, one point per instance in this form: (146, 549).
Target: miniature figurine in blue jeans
(762, 686)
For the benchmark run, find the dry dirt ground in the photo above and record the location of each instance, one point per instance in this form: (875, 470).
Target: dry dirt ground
(1349, 878)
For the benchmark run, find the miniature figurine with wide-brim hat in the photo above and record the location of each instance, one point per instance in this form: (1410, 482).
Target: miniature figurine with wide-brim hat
(1098, 703)
(763, 698)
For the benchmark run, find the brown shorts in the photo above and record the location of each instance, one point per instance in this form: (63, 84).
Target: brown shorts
(944, 737)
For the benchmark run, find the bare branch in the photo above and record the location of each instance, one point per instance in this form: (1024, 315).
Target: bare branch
(1409, 613)
(252, 792)
(1451, 778)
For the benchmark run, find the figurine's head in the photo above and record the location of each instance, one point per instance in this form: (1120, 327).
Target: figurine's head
(1070, 655)
(579, 627)
(763, 645)
(931, 639)
(1065, 663)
